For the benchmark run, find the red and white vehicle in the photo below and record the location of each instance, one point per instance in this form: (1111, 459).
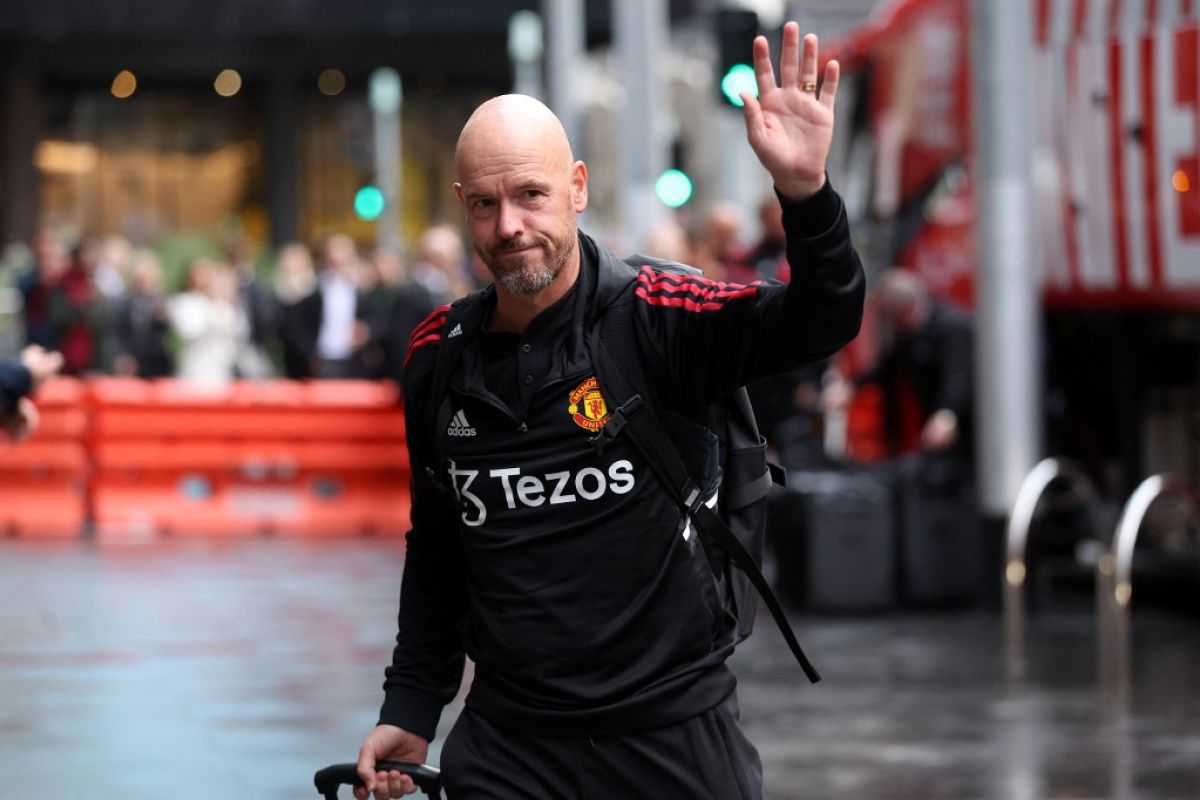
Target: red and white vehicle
(1115, 98)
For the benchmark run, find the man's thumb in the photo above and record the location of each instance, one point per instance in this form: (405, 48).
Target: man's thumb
(366, 770)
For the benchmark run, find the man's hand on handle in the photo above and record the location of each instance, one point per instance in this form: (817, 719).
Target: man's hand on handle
(388, 743)
(790, 126)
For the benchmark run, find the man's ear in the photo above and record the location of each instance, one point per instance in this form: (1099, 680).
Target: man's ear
(579, 187)
(458, 192)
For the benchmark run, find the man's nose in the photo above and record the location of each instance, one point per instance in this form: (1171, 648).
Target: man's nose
(508, 222)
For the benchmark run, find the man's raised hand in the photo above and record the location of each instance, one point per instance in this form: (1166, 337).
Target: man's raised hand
(790, 125)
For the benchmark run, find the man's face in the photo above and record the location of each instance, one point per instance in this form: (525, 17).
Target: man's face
(521, 210)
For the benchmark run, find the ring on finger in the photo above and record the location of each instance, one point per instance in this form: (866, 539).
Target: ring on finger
(808, 86)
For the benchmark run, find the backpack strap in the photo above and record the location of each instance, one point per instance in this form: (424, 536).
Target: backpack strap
(464, 320)
(644, 427)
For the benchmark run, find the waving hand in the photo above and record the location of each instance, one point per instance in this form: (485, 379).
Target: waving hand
(790, 126)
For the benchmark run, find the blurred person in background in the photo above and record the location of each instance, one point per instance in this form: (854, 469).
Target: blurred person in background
(339, 334)
(206, 321)
(19, 379)
(40, 285)
(112, 266)
(926, 371)
(441, 265)
(259, 310)
(717, 246)
(105, 283)
(669, 241)
(375, 297)
(391, 307)
(141, 323)
(299, 309)
(765, 259)
(78, 312)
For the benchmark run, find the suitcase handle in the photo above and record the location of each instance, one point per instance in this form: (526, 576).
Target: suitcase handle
(427, 778)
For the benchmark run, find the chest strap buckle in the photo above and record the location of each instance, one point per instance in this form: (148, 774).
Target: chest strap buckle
(617, 421)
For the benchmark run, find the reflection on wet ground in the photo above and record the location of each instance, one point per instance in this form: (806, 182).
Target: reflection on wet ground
(221, 670)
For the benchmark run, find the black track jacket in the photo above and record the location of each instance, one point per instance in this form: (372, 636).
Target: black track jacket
(566, 572)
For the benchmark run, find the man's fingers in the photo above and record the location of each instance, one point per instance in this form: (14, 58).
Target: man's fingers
(789, 56)
(752, 111)
(399, 784)
(829, 87)
(366, 773)
(764, 73)
(808, 60)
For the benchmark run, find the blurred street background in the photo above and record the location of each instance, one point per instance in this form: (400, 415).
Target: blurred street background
(229, 216)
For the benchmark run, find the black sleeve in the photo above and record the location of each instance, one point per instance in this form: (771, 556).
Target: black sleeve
(716, 336)
(427, 663)
(15, 383)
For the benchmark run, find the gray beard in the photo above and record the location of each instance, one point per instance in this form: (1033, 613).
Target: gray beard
(531, 280)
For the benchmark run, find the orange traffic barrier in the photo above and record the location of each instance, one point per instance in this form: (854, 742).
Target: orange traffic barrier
(43, 480)
(272, 457)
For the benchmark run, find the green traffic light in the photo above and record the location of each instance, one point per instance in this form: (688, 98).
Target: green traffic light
(368, 203)
(740, 78)
(674, 188)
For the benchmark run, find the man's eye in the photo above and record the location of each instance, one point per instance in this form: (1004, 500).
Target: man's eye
(531, 193)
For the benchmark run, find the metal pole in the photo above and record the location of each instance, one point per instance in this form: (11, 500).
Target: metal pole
(566, 41)
(641, 27)
(1008, 288)
(386, 96)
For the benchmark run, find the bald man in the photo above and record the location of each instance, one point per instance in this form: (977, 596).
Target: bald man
(567, 571)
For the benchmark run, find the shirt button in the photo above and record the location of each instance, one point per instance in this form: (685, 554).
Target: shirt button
(528, 379)
(525, 348)
(523, 427)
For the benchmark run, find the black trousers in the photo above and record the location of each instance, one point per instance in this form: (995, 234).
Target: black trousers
(707, 756)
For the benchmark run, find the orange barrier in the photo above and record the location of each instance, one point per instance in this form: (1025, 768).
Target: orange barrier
(43, 480)
(142, 459)
(280, 457)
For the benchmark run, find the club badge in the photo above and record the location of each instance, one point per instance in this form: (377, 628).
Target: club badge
(588, 408)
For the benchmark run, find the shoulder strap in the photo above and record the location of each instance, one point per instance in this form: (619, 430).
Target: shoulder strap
(464, 319)
(645, 429)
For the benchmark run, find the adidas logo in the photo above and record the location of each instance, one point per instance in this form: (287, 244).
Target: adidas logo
(455, 332)
(458, 423)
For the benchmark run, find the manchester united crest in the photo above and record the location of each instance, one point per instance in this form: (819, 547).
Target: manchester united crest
(588, 408)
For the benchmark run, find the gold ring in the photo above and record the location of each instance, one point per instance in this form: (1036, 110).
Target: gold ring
(808, 86)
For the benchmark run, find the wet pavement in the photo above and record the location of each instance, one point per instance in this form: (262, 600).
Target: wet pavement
(235, 669)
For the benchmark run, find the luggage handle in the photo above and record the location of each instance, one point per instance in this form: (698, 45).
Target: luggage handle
(427, 778)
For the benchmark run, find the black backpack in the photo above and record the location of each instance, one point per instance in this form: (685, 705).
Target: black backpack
(734, 536)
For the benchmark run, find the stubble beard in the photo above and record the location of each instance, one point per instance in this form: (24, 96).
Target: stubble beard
(523, 277)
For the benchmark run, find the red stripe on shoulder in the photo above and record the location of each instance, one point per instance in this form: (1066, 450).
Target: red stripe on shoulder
(428, 330)
(433, 322)
(412, 346)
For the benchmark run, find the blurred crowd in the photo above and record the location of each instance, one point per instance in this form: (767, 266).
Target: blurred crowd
(338, 313)
(333, 311)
